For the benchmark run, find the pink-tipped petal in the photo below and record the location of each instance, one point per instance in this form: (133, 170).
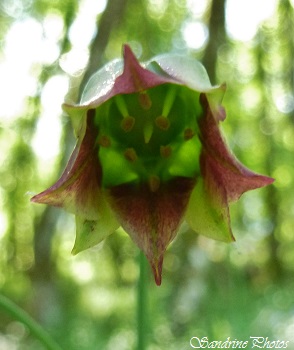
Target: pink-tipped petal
(233, 175)
(136, 78)
(78, 190)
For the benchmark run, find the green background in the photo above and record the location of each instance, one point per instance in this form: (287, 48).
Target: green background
(209, 288)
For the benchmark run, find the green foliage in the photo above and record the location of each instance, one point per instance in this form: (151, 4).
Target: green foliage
(210, 288)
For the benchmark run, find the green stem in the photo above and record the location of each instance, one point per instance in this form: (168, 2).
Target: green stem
(20, 315)
(143, 303)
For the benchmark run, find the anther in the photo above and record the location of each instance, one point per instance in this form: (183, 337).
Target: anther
(188, 134)
(127, 123)
(130, 154)
(104, 141)
(162, 123)
(154, 183)
(165, 151)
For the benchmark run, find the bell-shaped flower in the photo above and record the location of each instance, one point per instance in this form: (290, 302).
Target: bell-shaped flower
(150, 155)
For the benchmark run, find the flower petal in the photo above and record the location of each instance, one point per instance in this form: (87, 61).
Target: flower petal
(135, 77)
(101, 82)
(117, 77)
(233, 176)
(151, 215)
(185, 70)
(98, 90)
(78, 189)
(91, 232)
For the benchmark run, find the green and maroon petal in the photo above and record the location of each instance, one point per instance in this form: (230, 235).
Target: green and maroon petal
(78, 189)
(208, 210)
(234, 176)
(151, 215)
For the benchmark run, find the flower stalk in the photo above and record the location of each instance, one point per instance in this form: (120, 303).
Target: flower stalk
(19, 314)
(142, 309)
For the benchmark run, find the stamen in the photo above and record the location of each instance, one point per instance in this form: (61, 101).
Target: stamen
(127, 123)
(130, 154)
(121, 105)
(147, 130)
(165, 151)
(188, 134)
(162, 122)
(104, 141)
(154, 183)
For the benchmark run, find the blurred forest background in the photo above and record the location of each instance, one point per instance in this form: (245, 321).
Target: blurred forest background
(209, 288)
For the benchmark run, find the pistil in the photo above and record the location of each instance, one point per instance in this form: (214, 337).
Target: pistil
(147, 130)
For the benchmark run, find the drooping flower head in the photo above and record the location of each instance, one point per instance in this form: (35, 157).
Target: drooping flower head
(149, 155)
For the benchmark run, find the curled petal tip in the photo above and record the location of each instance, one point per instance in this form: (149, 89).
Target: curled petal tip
(135, 78)
(130, 59)
(268, 180)
(40, 198)
(157, 270)
(127, 50)
(158, 280)
(33, 199)
(74, 251)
